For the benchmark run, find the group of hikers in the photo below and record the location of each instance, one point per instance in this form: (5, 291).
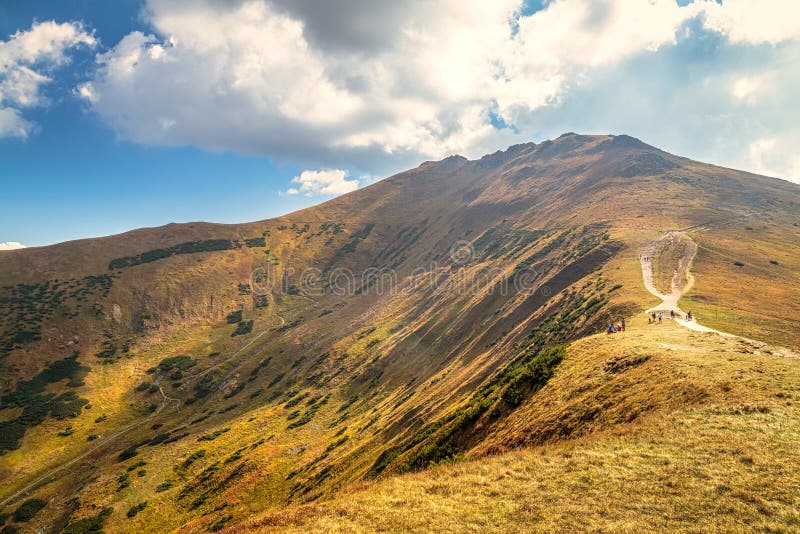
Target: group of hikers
(652, 318)
(657, 317)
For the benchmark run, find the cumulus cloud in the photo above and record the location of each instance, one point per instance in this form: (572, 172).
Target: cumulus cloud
(745, 21)
(11, 245)
(26, 59)
(325, 182)
(377, 86)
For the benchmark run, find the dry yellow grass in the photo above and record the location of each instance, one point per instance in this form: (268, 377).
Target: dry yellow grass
(748, 281)
(725, 460)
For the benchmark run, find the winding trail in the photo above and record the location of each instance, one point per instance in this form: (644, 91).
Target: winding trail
(682, 282)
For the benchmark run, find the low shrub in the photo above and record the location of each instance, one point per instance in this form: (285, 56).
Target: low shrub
(194, 457)
(128, 453)
(255, 242)
(88, 525)
(243, 328)
(533, 375)
(214, 435)
(191, 247)
(182, 363)
(136, 509)
(27, 510)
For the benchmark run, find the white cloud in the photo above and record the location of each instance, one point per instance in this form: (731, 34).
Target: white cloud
(26, 59)
(378, 86)
(327, 182)
(11, 245)
(746, 21)
(772, 156)
(12, 124)
(747, 88)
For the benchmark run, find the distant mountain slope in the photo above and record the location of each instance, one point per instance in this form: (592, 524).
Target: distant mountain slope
(395, 327)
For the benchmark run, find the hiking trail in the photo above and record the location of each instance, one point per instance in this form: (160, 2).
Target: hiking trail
(682, 279)
(682, 249)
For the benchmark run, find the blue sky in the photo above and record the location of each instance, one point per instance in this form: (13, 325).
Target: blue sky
(118, 115)
(74, 178)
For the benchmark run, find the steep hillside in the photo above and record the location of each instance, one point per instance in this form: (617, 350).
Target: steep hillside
(194, 375)
(677, 429)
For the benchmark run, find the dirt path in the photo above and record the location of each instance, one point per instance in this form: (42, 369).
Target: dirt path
(682, 282)
(682, 279)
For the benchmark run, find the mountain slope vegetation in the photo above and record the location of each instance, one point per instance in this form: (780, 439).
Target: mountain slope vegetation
(197, 375)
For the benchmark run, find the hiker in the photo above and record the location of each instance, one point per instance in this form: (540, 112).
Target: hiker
(610, 329)
(659, 318)
(654, 316)
(623, 324)
(672, 314)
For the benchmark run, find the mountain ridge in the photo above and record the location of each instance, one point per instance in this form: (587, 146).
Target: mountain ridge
(617, 141)
(412, 322)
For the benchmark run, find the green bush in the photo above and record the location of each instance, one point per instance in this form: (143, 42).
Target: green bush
(136, 509)
(204, 387)
(533, 375)
(27, 510)
(292, 290)
(275, 380)
(88, 525)
(296, 400)
(36, 404)
(108, 349)
(194, 457)
(67, 405)
(191, 247)
(159, 438)
(254, 242)
(234, 317)
(182, 363)
(214, 435)
(243, 328)
(304, 419)
(128, 453)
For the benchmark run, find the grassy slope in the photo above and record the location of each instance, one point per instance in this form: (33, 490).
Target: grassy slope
(429, 350)
(710, 441)
(757, 299)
